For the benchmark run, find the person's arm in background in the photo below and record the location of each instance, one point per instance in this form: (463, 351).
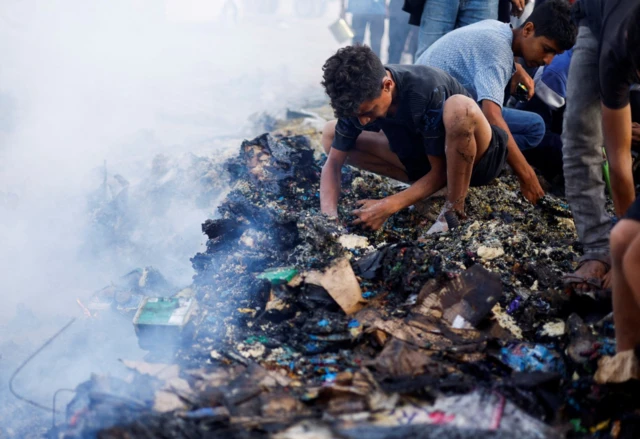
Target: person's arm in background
(616, 127)
(529, 184)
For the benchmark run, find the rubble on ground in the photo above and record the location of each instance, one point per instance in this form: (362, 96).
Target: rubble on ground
(311, 328)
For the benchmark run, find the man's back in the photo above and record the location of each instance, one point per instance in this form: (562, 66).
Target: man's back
(479, 56)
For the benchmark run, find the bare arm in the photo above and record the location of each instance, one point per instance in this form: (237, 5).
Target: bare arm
(616, 126)
(373, 213)
(529, 183)
(330, 181)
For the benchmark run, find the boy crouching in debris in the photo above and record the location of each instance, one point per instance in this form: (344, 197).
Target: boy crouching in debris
(412, 123)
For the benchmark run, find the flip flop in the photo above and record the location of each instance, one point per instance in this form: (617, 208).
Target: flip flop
(597, 292)
(569, 280)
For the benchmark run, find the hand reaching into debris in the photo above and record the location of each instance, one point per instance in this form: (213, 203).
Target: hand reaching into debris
(530, 187)
(372, 214)
(521, 76)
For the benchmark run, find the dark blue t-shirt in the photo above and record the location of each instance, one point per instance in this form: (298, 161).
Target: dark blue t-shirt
(421, 93)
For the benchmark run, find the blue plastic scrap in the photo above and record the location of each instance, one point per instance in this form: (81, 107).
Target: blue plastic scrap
(206, 412)
(525, 357)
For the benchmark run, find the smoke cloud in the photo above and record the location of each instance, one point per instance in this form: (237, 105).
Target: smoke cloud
(153, 88)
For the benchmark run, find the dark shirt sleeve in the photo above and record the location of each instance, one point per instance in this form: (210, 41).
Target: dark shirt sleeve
(346, 134)
(615, 76)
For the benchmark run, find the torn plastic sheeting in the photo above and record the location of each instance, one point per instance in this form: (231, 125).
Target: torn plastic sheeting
(341, 284)
(480, 411)
(370, 264)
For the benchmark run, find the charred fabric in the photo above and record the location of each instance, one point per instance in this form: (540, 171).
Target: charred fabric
(297, 326)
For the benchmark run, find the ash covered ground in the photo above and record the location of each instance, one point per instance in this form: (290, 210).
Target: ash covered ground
(310, 328)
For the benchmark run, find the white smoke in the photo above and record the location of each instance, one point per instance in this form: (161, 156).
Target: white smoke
(121, 81)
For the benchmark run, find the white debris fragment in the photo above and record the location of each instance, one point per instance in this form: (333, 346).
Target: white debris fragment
(566, 222)
(247, 241)
(471, 229)
(255, 350)
(351, 241)
(553, 329)
(460, 323)
(490, 253)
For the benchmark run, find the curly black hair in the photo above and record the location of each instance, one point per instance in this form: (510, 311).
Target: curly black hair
(633, 39)
(552, 19)
(352, 76)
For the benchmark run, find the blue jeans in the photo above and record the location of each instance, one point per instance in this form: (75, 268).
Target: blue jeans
(527, 128)
(442, 16)
(359, 24)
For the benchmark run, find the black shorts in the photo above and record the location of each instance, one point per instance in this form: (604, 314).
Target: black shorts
(488, 168)
(634, 211)
(408, 146)
(492, 162)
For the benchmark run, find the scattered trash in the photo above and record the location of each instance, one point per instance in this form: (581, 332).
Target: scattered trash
(304, 328)
(160, 321)
(466, 300)
(341, 284)
(506, 321)
(524, 357)
(553, 329)
(618, 369)
(278, 275)
(490, 253)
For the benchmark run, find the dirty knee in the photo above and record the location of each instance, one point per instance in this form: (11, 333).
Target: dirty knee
(328, 134)
(459, 115)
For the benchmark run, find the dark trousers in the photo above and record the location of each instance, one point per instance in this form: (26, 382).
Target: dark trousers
(399, 31)
(359, 24)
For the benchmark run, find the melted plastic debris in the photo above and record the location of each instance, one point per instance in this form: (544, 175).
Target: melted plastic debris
(299, 356)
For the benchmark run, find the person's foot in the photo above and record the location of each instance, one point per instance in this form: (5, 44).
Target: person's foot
(590, 275)
(448, 219)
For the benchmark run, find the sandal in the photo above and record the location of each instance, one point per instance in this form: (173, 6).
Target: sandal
(597, 291)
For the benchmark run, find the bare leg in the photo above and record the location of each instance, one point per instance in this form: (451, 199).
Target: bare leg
(468, 135)
(372, 153)
(625, 255)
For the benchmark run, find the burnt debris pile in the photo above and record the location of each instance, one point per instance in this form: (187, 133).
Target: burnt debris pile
(307, 327)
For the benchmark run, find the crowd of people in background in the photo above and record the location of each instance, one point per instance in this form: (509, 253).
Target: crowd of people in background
(553, 86)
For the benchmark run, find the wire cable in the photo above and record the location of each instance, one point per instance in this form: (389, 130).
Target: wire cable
(25, 362)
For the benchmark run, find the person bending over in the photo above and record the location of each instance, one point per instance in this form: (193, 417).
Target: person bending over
(413, 123)
(481, 56)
